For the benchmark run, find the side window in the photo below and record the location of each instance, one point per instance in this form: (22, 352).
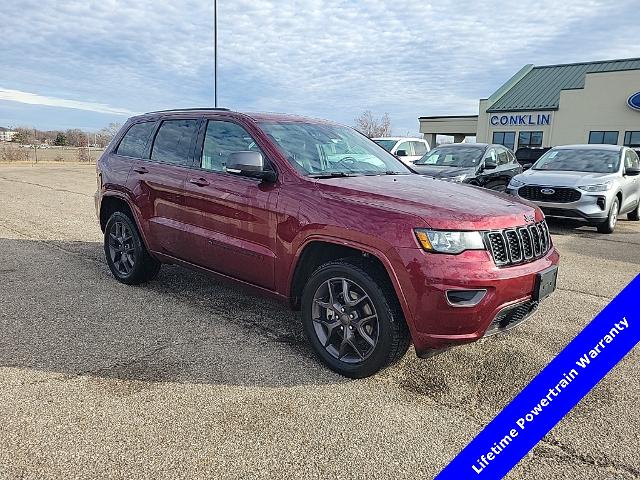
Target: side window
(503, 156)
(135, 140)
(491, 153)
(419, 148)
(173, 141)
(631, 160)
(221, 139)
(407, 147)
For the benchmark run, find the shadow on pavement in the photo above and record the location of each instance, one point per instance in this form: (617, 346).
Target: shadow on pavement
(62, 311)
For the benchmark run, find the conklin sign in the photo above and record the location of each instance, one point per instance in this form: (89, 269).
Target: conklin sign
(524, 119)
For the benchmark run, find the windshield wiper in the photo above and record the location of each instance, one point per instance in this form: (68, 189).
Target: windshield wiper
(331, 175)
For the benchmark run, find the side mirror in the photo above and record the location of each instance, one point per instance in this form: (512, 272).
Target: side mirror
(632, 171)
(249, 164)
(401, 153)
(527, 166)
(490, 164)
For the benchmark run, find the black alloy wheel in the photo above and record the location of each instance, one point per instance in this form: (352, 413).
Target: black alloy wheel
(127, 257)
(345, 320)
(352, 317)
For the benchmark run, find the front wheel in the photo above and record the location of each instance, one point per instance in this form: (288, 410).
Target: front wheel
(352, 319)
(610, 224)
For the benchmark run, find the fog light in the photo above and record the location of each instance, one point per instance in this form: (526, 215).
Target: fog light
(601, 202)
(465, 298)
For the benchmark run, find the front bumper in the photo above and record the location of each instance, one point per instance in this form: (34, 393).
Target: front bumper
(436, 324)
(592, 207)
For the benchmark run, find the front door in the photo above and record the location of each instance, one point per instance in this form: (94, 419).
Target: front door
(630, 184)
(232, 218)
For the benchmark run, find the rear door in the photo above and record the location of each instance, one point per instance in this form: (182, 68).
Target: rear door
(232, 217)
(157, 184)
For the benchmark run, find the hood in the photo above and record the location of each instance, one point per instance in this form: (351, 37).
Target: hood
(442, 172)
(556, 178)
(438, 204)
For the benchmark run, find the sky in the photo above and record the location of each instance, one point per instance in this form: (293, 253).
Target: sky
(83, 64)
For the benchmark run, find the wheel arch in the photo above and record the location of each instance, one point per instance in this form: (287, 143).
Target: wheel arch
(317, 251)
(114, 202)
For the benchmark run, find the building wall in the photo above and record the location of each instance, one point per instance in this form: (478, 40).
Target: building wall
(516, 122)
(600, 105)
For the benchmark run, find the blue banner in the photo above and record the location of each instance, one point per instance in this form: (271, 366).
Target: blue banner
(553, 392)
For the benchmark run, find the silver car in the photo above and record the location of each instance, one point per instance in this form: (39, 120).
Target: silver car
(592, 183)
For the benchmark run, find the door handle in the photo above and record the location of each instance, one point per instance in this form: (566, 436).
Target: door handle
(140, 170)
(201, 182)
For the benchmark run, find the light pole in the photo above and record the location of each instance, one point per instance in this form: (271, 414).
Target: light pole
(215, 53)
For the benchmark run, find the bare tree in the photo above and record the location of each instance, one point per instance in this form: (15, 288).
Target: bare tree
(104, 136)
(371, 126)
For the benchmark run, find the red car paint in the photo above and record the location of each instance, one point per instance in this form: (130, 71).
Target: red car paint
(255, 232)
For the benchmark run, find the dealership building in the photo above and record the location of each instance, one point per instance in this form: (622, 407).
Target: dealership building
(545, 106)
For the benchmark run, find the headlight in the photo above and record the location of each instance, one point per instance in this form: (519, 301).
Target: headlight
(457, 179)
(513, 183)
(449, 242)
(600, 187)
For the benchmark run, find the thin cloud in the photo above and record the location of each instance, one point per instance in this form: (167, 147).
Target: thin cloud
(35, 99)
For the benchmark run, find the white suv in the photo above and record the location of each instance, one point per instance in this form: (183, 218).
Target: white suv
(405, 148)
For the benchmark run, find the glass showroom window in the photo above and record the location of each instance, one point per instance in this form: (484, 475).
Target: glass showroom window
(632, 139)
(508, 139)
(610, 138)
(529, 139)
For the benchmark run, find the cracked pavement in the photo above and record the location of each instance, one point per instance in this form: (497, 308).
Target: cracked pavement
(187, 377)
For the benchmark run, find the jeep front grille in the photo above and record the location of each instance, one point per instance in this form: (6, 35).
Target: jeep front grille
(518, 245)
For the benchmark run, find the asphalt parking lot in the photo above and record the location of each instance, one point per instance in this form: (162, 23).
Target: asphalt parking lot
(187, 377)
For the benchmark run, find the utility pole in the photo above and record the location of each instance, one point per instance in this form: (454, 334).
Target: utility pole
(215, 53)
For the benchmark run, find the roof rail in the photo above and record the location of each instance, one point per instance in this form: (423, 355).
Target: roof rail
(189, 109)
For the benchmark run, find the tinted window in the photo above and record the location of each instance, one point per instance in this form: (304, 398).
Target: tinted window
(452, 157)
(135, 140)
(530, 139)
(503, 156)
(631, 159)
(406, 146)
(579, 160)
(508, 139)
(222, 139)
(386, 144)
(632, 139)
(610, 138)
(419, 148)
(173, 141)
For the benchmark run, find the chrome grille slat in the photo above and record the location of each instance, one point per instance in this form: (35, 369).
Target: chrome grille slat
(513, 246)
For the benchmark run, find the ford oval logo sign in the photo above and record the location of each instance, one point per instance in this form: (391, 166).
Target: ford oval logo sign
(634, 101)
(547, 191)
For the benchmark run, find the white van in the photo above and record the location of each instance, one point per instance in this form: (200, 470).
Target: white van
(405, 148)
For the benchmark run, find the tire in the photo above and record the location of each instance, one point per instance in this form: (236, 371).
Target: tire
(127, 257)
(370, 294)
(635, 214)
(610, 224)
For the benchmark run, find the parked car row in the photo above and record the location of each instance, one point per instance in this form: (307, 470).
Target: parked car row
(313, 213)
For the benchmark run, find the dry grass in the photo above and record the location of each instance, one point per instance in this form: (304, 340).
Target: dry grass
(11, 153)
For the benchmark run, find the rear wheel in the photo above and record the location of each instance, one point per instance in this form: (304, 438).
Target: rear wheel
(127, 257)
(610, 224)
(352, 319)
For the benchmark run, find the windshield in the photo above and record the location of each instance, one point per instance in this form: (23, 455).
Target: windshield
(579, 160)
(466, 157)
(386, 144)
(316, 149)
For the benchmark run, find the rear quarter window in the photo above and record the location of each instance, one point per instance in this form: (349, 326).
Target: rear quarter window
(134, 142)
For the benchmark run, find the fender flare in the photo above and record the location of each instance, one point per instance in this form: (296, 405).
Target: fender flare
(379, 254)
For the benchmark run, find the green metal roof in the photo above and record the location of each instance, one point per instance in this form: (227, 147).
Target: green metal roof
(539, 89)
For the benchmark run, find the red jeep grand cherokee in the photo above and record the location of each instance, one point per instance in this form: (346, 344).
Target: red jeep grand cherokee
(318, 215)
